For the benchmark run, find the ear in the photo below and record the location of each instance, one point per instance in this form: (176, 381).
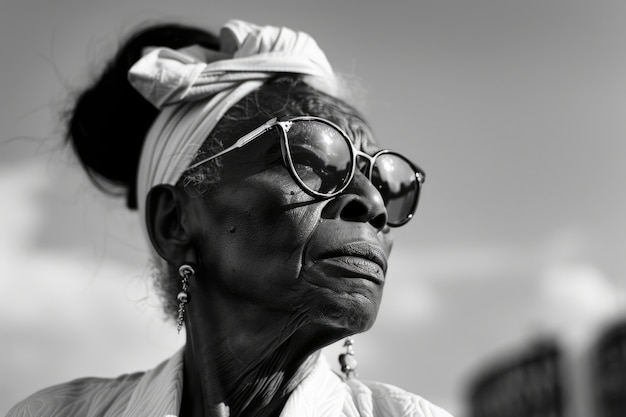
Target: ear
(167, 222)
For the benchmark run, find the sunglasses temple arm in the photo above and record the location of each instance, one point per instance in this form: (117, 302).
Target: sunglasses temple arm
(244, 140)
(249, 137)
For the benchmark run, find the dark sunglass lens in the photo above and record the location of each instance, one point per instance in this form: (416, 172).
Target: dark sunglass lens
(320, 154)
(394, 177)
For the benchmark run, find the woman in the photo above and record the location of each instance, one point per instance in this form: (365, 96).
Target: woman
(268, 205)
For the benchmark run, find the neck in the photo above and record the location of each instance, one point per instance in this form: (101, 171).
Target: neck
(236, 373)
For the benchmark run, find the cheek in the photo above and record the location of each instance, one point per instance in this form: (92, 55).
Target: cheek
(280, 219)
(256, 235)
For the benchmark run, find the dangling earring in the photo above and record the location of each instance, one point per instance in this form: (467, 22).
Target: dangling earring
(185, 271)
(347, 360)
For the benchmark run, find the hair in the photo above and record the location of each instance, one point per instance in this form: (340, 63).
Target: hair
(109, 120)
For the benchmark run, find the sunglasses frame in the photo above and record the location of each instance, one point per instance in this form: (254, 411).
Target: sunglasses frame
(285, 123)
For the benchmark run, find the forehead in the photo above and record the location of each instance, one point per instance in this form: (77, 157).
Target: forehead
(293, 99)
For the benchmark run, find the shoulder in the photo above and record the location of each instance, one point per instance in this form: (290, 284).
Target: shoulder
(387, 400)
(79, 398)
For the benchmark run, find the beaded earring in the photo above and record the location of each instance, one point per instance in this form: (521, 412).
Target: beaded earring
(347, 360)
(186, 272)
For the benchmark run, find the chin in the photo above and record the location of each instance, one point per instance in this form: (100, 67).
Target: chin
(337, 319)
(340, 305)
(355, 315)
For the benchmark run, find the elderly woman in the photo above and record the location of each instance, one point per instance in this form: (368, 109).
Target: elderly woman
(269, 208)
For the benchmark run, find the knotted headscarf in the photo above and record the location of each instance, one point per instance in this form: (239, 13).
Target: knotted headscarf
(194, 87)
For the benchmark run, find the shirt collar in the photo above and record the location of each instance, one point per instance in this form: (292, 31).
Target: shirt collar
(322, 393)
(159, 392)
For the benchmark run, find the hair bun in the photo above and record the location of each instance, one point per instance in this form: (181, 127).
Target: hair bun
(109, 120)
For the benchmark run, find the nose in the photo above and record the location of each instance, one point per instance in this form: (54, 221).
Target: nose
(359, 202)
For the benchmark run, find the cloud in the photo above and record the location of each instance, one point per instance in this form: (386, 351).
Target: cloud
(575, 295)
(453, 263)
(409, 303)
(19, 216)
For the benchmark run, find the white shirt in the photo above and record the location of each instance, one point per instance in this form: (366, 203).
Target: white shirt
(158, 393)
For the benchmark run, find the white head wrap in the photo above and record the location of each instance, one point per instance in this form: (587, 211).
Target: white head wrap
(194, 87)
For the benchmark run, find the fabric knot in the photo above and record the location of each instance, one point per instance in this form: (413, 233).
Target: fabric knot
(248, 52)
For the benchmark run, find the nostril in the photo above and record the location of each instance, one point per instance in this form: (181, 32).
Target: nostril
(379, 222)
(354, 210)
(357, 210)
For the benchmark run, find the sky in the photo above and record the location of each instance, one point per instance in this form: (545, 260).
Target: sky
(514, 109)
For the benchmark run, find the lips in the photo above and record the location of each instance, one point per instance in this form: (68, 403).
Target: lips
(362, 258)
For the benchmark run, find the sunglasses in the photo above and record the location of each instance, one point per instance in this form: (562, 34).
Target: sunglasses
(322, 160)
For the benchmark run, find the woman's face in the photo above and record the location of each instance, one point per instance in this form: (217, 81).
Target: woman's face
(265, 242)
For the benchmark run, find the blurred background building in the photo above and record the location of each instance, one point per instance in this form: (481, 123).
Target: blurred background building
(548, 378)
(608, 371)
(527, 384)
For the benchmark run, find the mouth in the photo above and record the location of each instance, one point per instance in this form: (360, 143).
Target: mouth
(359, 259)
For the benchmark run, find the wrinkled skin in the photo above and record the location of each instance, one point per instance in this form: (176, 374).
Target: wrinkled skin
(279, 276)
